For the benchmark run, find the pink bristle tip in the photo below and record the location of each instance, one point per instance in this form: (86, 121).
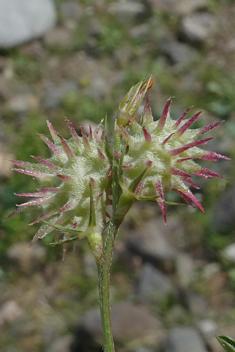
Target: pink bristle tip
(45, 163)
(178, 172)
(51, 145)
(162, 121)
(65, 178)
(84, 137)
(210, 127)
(161, 200)
(52, 130)
(167, 139)
(36, 194)
(67, 149)
(188, 146)
(72, 131)
(101, 155)
(149, 164)
(37, 174)
(217, 156)
(182, 117)
(139, 187)
(42, 217)
(188, 123)
(208, 172)
(147, 136)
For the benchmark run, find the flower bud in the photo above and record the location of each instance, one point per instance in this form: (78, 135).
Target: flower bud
(161, 154)
(72, 186)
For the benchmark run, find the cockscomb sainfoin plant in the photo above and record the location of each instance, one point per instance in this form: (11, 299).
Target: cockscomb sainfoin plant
(143, 160)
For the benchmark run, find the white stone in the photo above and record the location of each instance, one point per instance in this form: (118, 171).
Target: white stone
(23, 20)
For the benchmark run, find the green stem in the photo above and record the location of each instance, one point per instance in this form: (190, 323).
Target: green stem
(104, 288)
(104, 264)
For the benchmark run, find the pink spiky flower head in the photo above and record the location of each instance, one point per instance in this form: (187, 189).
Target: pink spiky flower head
(158, 156)
(73, 184)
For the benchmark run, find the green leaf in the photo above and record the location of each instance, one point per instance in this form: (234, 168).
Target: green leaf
(64, 229)
(226, 342)
(63, 241)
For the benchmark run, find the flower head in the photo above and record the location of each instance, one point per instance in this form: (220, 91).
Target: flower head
(159, 156)
(72, 184)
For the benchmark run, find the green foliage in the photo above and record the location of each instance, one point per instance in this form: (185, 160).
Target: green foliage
(227, 343)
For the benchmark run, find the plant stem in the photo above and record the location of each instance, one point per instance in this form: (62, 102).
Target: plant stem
(104, 264)
(104, 288)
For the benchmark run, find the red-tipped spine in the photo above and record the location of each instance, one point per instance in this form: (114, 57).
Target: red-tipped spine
(37, 174)
(45, 163)
(187, 124)
(210, 127)
(35, 194)
(216, 156)
(161, 200)
(52, 131)
(208, 172)
(147, 115)
(167, 138)
(65, 178)
(101, 155)
(67, 206)
(73, 132)
(67, 149)
(178, 172)
(182, 117)
(51, 145)
(147, 136)
(139, 188)
(84, 137)
(188, 146)
(42, 217)
(35, 202)
(162, 121)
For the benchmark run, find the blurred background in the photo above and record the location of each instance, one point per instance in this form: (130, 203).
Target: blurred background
(172, 287)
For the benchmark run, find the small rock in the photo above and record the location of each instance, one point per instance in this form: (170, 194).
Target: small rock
(94, 28)
(62, 344)
(197, 304)
(139, 32)
(185, 268)
(27, 259)
(22, 103)
(21, 21)
(184, 339)
(207, 328)
(98, 88)
(198, 27)
(224, 213)
(179, 7)
(59, 37)
(128, 323)
(229, 253)
(71, 10)
(53, 96)
(126, 10)
(150, 243)
(10, 312)
(153, 285)
(180, 54)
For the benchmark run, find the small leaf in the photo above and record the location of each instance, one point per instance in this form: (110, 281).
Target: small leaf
(63, 229)
(63, 241)
(227, 343)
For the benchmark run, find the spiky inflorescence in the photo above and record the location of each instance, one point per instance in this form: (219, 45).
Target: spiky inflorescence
(72, 182)
(162, 151)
